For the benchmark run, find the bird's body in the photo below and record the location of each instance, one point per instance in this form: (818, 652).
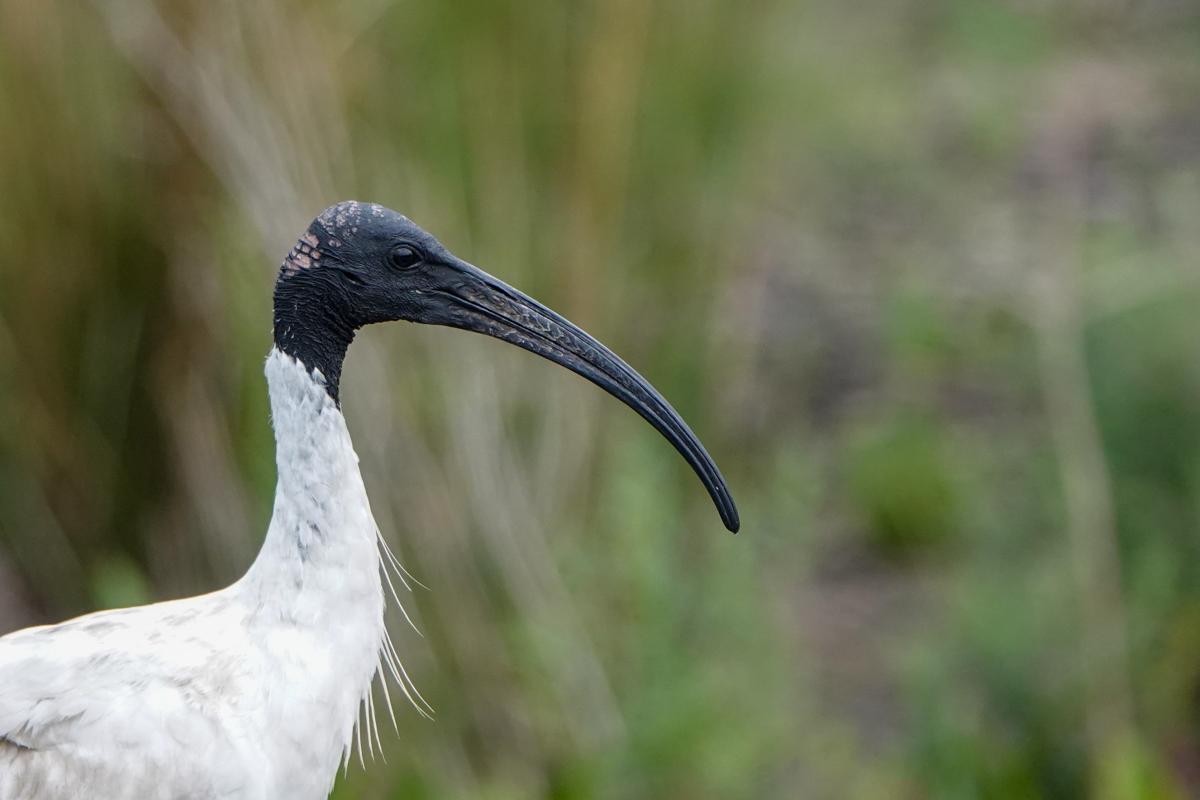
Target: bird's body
(254, 692)
(249, 692)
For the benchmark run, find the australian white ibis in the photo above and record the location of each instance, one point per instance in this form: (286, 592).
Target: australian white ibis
(255, 691)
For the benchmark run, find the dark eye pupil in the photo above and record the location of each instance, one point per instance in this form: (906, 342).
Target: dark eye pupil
(403, 257)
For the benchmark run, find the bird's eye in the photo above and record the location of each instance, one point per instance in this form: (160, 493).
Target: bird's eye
(405, 256)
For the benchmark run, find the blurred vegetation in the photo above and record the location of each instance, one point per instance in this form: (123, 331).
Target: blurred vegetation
(923, 274)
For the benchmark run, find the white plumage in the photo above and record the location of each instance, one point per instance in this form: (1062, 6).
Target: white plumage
(249, 692)
(255, 691)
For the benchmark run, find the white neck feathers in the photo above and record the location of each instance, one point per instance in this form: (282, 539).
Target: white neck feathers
(319, 576)
(314, 592)
(322, 520)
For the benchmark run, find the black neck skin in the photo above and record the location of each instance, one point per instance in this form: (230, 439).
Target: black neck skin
(312, 324)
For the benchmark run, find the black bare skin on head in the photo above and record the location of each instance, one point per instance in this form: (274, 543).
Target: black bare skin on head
(329, 283)
(361, 263)
(343, 274)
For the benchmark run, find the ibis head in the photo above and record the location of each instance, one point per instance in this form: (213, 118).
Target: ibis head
(361, 263)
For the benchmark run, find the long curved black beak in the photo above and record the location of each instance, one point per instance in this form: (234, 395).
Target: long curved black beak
(473, 300)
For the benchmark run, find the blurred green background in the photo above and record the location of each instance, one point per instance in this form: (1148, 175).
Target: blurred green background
(923, 275)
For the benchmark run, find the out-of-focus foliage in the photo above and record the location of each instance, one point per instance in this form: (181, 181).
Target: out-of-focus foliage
(922, 273)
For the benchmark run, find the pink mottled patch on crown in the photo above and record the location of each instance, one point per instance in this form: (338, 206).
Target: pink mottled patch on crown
(333, 227)
(302, 256)
(342, 220)
(339, 221)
